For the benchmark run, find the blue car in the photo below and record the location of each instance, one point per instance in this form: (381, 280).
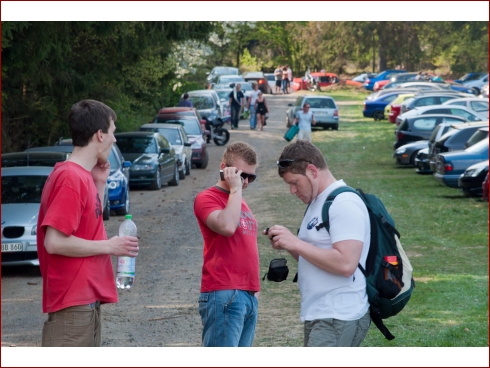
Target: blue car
(376, 108)
(387, 74)
(469, 77)
(450, 165)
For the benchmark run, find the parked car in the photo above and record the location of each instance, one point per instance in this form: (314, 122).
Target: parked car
(116, 197)
(207, 103)
(375, 108)
(260, 79)
(484, 185)
(477, 84)
(472, 103)
(271, 81)
(386, 74)
(226, 80)
(362, 77)
(393, 109)
(471, 181)
(325, 79)
(195, 132)
(460, 111)
(177, 137)
(421, 162)
(450, 165)
(380, 93)
(405, 155)
(220, 70)
(323, 107)
(427, 99)
(417, 128)
(22, 187)
(33, 158)
(153, 159)
(457, 139)
(484, 91)
(469, 77)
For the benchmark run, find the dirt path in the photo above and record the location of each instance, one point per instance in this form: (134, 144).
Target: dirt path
(161, 309)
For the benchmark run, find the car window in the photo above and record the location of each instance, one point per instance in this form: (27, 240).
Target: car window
(191, 126)
(426, 101)
(389, 98)
(202, 102)
(114, 161)
(299, 101)
(172, 135)
(437, 111)
(162, 142)
(450, 120)
(479, 105)
(321, 103)
(479, 147)
(476, 137)
(223, 94)
(22, 189)
(137, 145)
(424, 123)
(464, 114)
(462, 136)
(458, 103)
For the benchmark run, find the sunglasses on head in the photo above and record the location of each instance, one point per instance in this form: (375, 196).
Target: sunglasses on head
(288, 162)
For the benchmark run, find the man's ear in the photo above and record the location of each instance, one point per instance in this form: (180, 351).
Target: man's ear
(313, 170)
(98, 136)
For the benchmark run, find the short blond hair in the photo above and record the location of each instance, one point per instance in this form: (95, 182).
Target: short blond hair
(239, 150)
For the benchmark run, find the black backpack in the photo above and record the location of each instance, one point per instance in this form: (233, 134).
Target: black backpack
(388, 287)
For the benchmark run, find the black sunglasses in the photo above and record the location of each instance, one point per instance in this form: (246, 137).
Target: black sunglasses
(251, 177)
(289, 161)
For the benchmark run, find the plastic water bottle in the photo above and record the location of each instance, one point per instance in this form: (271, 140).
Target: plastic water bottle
(126, 266)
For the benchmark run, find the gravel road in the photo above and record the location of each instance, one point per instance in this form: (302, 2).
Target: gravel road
(161, 308)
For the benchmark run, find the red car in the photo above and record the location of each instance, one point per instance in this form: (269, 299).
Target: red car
(485, 188)
(395, 111)
(325, 79)
(380, 84)
(193, 126)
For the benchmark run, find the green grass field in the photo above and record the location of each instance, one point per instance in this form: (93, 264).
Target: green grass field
(444, 233)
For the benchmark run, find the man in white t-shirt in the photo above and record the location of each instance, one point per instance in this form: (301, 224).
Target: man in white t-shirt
(334, 303)
(251, 105)
(304, 119)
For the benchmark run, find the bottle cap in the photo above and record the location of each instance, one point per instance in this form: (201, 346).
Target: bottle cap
(391, 259)
(129, 217)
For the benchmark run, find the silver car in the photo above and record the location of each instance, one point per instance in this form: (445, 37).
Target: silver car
(21, 197)
(323, 107)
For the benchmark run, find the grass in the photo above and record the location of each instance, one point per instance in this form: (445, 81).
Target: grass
(444, 234)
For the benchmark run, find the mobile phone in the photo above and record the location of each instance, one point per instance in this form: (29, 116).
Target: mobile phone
(221, 175)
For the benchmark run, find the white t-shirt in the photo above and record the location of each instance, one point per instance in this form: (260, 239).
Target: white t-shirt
(254, 94)
(323, 294)
(305, 119)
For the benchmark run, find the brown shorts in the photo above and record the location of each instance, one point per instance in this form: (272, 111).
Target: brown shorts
(73, 327)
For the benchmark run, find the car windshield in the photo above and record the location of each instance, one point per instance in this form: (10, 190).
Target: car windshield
(321, 103)
(223, 94)
(246, 87)
(136, 145)
(478, 147)
(191, 126)
(115, 164)
(22, 189)
(172, 135)
(226, 80)
(202, 102)
(181, 113)
(224, 70)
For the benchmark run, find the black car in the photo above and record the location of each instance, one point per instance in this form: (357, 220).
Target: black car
(458, 139)
(470, 182)
(152, 157)
(421, 162)
(260, 79)
(417, 128)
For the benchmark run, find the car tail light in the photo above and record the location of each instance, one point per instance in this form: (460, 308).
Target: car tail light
(400, 135)
(261, 81)
(448, 167)
(336, 113)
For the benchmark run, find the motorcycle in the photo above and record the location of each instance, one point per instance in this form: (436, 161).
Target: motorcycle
(217, 133)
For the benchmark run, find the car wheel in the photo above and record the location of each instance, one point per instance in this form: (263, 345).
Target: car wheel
(335, 127)
(204, 163)
(176, 180)
(125, 210)
(413, 157)
(157, 182)
(182, 173)
(476, 91)
(378, 115)
(188, 167)
(106, 214)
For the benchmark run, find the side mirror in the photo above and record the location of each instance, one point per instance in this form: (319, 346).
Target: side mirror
(165, 150)
(126, 164)
(187, 144)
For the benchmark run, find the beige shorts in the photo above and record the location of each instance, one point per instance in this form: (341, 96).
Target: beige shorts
(304, 134)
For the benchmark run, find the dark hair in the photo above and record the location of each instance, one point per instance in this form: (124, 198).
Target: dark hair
(186, 96)
(304, 153)
(86, 118)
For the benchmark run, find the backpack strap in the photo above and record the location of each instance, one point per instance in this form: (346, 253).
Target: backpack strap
(328, 202)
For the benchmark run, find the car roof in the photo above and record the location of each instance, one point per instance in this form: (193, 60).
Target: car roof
(472, 124)
(201, 92)
(168, 110)
(135, 134)
(434, 115)
(35, 154)
(27, 170)
(64, 148)
(254, 74)
(314, 96)
(465, 99)
(162, 126)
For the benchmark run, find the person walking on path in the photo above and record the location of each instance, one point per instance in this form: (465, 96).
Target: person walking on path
(185, 102)
(278, 78)
(72, 244)
(251, 105)
(261, 109)
(285, 80)
(230, 283)
(305, 119)
(237, 101)
(334, 303)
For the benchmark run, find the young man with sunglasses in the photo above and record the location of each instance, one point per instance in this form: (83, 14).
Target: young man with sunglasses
(230, 283)
(305, 119)
(334, 303)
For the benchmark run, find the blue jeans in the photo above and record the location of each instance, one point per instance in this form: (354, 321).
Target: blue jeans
(235, 115)
(253, 117)
(228, 318)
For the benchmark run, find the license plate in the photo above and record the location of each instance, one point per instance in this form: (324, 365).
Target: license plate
(12, 247)
(320, 113)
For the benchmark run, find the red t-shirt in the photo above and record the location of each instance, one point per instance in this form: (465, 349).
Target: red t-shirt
(70, 203)
(229, 262)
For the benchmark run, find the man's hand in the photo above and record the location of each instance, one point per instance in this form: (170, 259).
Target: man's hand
(100, 173)
(124, 246)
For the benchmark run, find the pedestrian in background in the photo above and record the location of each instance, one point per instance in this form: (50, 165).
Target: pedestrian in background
(230, 283)
(305, 119)
(278, 78)
(251, 105)
(237, 100)
(73, 249)
(261, 109)
(185, 102)
(285, 80)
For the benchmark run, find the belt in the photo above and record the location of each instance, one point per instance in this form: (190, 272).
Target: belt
(252, 293)
(95, 304)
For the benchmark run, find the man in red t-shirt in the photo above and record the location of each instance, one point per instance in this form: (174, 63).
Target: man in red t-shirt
(72, 245)
(230, 274)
